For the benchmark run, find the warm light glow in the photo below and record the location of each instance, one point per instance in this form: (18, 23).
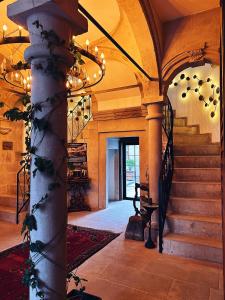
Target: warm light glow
(24, 81)
(104, 61)
(5, 28)
(95, 76)
(88, 78)
(16, 75)
(79, 81)
(96, 50)
(87, 43)
(67, 84)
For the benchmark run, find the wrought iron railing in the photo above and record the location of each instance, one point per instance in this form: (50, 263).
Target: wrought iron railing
(22, 191)
(78, 117)
(166, 173)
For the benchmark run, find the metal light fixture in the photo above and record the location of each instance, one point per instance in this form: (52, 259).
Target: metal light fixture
(78, 77)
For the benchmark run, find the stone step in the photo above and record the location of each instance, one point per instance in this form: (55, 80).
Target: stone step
(7, 214)
(196, 189)
(192, 139)
(195, 225)
(186, 129)
(208, 150)
(197, 161)
(197, 174)
(197, 206)
(8, 189)
(8, 200)
(180, 122)
(192, 247)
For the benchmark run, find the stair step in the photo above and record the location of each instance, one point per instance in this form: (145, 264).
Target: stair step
(204, 207)
(180, 122)
(186, 129)
(192, 247)
(197, 174)
(192, 139)
(197, 161)
(187, 149)
(196, 189)
(7, 214)
(195, 225)
(8, 200)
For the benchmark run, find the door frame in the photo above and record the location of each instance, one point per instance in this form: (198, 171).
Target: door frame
(123, 143)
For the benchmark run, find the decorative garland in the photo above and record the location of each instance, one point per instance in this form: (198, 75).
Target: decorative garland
(213, 99)
(43, 165)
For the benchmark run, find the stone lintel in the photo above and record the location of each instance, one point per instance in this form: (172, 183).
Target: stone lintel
(20, 10)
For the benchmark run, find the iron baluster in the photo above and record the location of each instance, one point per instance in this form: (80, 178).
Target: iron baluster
(166, 173)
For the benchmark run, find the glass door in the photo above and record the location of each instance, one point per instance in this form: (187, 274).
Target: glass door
(131, 167)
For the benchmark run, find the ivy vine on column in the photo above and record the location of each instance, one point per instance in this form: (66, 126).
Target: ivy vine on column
(34, 125)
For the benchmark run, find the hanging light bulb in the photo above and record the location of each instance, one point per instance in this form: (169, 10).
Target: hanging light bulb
(102, 55)
(96, 51)
(4, 28)
(87, 44)
(20, 30)
(17, 76)
(95, 76)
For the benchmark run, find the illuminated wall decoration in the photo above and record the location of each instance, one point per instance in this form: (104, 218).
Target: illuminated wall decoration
(205, 91)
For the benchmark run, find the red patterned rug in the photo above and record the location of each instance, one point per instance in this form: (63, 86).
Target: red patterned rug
(82, 243)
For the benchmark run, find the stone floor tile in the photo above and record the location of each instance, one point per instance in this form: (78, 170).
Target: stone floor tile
(109, 290)
(216, 294)
(188, 291)
(153, 284)
(185, 272)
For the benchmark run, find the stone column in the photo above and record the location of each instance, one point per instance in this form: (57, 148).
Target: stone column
(63, 18)
(154, 119)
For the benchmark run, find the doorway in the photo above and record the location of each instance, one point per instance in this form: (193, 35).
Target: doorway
(130, 165)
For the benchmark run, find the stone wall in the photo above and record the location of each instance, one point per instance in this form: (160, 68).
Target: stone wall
(11, 146)
(111, 124)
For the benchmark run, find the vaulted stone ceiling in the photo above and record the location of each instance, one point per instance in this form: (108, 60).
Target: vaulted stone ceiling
(168, 10)
(126, 22)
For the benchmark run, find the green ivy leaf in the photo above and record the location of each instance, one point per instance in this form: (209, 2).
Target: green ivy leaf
(37, 246)
(44, 165)
(29, 223)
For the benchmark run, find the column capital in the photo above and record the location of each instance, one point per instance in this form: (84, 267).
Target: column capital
(154, 110)
(150, 92)
(21, 10)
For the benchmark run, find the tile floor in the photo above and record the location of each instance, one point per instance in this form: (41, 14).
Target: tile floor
(125, 270)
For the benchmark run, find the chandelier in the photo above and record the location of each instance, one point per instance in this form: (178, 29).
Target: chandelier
(18, 74)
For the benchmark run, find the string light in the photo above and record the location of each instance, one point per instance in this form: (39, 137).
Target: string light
(200, 82)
